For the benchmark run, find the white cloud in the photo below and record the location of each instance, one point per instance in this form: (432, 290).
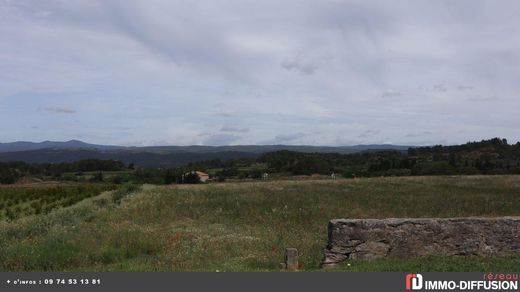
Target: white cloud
(58, 110)
(172, 70)
(220, 139)
(235, 129)
(286, 138)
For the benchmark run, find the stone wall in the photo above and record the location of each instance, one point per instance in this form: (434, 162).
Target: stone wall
(415, 237)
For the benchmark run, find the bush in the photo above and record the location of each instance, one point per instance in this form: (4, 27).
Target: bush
(8, 176)
(255, 173)
(117, 179)
(434, 168)
(469, 170)
(191, 178)
(98, 177)
(398, 172)
(118, 195)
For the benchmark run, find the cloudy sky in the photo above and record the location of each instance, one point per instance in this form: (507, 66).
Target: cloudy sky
(208, 72)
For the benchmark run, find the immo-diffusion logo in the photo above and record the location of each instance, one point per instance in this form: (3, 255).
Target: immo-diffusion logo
(490, 282)
(414, 282)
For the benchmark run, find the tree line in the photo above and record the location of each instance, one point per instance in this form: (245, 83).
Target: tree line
(493, 156)
(10, 172)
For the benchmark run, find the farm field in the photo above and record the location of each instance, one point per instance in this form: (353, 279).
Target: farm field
(35, 199)
(245, 226)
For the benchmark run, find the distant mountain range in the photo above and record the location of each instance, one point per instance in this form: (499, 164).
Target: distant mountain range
(72, 144)
(157, 156)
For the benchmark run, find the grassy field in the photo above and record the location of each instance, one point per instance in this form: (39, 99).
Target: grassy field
(246, 226)
(34, 199)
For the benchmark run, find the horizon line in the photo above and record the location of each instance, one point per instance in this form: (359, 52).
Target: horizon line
(257, 145)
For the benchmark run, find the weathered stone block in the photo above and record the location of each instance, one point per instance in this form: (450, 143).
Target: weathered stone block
(416, 237)
(291, 259)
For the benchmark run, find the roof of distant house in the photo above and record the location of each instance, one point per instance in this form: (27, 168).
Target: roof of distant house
(199, 173)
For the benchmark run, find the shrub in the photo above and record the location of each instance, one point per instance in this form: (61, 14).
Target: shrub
(118, 195)
(191, 178)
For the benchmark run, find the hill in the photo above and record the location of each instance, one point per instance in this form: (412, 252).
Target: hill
(259, 149)
(143, 159)
(157, 156)
(76, 145)
(72, 144)
(493, 156)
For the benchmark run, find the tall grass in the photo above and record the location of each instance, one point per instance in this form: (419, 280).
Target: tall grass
(243, 226)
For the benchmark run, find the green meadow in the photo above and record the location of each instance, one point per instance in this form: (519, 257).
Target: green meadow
(244, 226)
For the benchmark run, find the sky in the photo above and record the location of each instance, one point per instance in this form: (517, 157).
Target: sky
(206, 72)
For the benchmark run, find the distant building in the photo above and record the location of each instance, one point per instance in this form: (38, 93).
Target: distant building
(202, 175)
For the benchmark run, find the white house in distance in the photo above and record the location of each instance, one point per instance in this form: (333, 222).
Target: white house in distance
(202, 175)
